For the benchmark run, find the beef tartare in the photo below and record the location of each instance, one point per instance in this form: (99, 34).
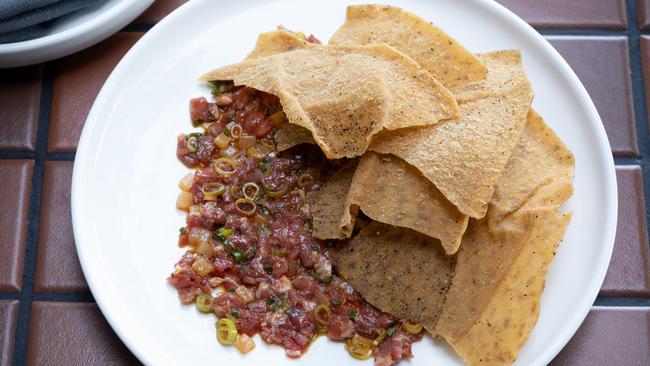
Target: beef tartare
(251, 259)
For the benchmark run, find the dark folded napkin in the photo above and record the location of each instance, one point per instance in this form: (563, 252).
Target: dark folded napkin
(21, 20)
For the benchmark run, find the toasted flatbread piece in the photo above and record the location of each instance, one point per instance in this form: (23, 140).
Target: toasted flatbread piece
(398, 270)
(288, 136)
(544, 172)
(389, 190)
(345, 94)
(277, 41)
(464, 158)
(445, 58)
(332, 214)
(493, 302)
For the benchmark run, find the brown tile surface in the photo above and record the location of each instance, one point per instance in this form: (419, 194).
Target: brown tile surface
(8, 315)
(73, 334)
(629, 269)
(643, 13)
(57, 264)
(610, 336)
(77, 80)
(158, 10)
(20, 95)
(570, 14)
(15, 188)
(607, 80)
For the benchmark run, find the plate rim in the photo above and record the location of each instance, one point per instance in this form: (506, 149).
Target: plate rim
(607, 162)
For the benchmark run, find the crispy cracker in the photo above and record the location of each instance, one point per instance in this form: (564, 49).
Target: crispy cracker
(277, 41)
(493, 302)
(544, 167)
(464, 158)
(398, 270)
(445, 58)
(389, 190)
(345, 94)
(331, 211)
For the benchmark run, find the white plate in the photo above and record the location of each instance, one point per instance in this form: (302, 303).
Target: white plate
(73, 32)
(125, 175)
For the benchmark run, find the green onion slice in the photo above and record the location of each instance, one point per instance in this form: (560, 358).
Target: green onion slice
(274, 193)
(192, 144)
(322, 314)
(204, 303)
(223, 233)
(213, 189)
(238, 256)
(359, 347)
(387, 332)
(224, 166)
(235, 130)
(251, 190)
(226, 331)
(245, 206)
(305, 180)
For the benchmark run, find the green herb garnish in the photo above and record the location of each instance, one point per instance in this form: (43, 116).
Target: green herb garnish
(222, 234)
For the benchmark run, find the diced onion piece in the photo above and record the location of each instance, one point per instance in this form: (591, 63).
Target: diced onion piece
(412, 327)
(359, 347)
(246, 141)
(301, 35)
(185, 184)
(245, 206)
(205, 248)
(228, 152)
(223, 100)
(192, 144)
(305, 180)
(275, 193)
(197, 236)
(224, 166)
(204, 303)
(195, 210)
(322, 314)
(245, 294)
(202, 267)
(235, 130)
(250, 190)
(221, 141)
(226, 331)
(184, 201)
(278, 117)
(213, 189)
(244, 343)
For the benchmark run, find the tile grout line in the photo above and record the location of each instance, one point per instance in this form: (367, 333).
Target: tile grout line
(640, 105)
(27, 293)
